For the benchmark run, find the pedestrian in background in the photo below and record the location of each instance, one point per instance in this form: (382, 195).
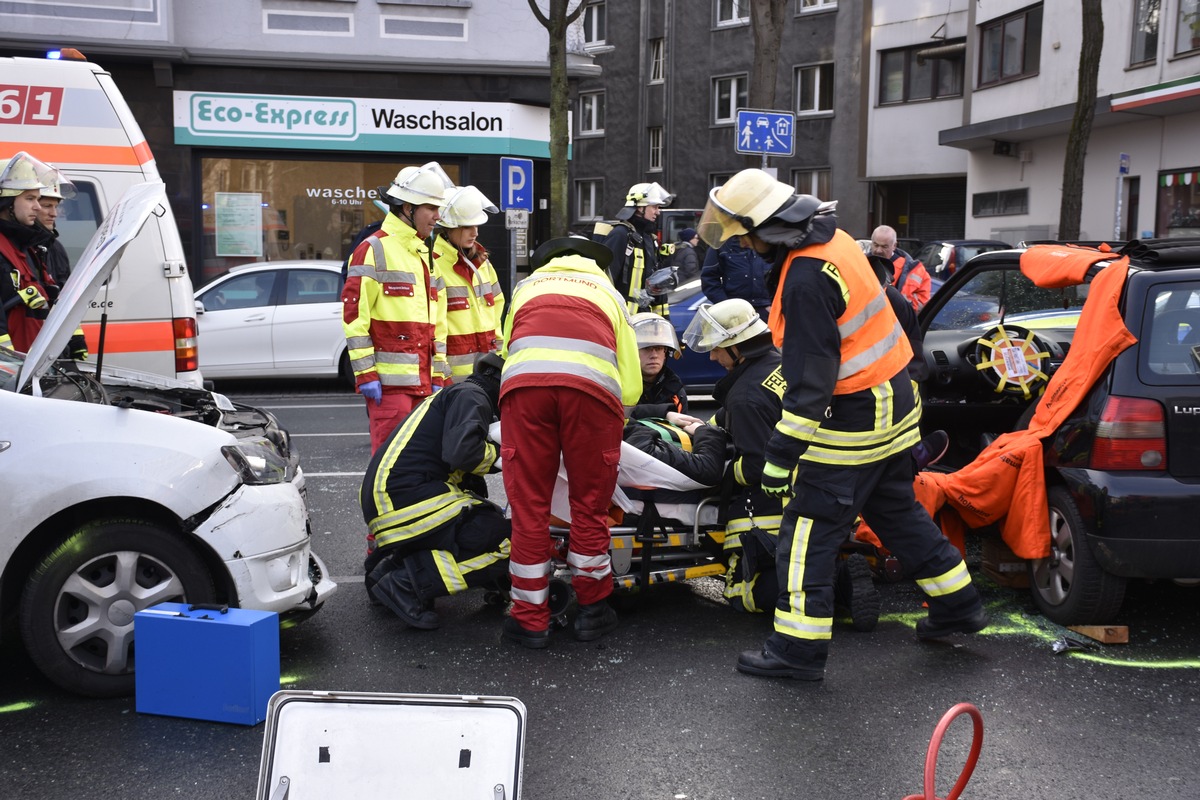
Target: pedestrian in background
(474, 299)
(686, 260)
(734, 271)
(394, 306)
(571, 368)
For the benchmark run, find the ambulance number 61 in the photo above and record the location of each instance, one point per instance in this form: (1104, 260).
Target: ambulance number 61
(30, 105)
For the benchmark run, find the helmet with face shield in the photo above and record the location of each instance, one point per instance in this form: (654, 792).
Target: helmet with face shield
(723, 324)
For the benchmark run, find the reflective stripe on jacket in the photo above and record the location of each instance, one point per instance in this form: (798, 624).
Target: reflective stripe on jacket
(568, 327)
(474, 306)
(394, 312)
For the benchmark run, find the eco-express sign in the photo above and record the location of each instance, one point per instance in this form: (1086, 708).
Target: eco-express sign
(360, 124)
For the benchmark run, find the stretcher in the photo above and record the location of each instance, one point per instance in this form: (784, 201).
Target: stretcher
(664, 527)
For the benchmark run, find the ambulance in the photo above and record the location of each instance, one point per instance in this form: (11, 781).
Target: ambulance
(68, 112)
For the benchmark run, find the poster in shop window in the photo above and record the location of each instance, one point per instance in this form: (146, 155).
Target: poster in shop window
(238, 222)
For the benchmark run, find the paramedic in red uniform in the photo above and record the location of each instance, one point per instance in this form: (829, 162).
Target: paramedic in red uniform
(26, 288)
(571, 367)
(394, 306)
(849, 418)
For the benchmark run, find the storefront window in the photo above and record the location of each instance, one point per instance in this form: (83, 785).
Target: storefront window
(257, 209)
(1179, 203)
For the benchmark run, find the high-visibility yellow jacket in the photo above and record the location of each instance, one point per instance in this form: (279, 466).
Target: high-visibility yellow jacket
(474, 305)
(394, 312)
(568, 327)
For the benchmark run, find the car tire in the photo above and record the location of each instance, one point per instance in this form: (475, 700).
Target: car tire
(76, 613)
(1070, 587)
(345, 373)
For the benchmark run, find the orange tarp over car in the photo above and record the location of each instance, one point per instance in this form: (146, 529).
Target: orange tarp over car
(1008, 475)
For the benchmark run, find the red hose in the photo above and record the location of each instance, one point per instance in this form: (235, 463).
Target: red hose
(935, 743)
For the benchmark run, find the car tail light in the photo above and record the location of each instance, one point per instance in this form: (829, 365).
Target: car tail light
(951, 262)
(1131, 435)
(186, 357)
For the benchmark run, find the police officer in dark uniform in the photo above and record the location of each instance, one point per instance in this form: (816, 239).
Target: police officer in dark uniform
(849, 417)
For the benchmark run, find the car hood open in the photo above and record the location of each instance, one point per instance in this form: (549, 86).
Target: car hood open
(93, 268)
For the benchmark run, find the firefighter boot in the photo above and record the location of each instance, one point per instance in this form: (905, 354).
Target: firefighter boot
(513, 631)
(768, 664)
(855, 589)
(595, 620)
(930, 628)
(397, 591)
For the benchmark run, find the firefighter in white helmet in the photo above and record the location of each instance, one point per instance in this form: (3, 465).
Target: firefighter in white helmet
(474, 298)
(663, 393)
(56, 188)
(394, 306)
(849, 417)
(26, 287)
(634, 245)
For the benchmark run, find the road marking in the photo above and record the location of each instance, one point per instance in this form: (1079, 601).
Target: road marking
(308, 405)
(351, 433)
(334, 474)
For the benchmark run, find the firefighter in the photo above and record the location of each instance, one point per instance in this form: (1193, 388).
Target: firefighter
(634, 245)
(26, 287)
(394, 306)
(474, 300)
(56, 188)
(432, 532)
(571, 368)
(849, 418)
(663, 393)
(751, 403)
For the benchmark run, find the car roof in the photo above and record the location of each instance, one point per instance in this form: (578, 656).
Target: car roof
(312, 263)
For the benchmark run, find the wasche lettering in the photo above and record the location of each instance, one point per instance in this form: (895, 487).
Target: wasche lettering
(433, 121)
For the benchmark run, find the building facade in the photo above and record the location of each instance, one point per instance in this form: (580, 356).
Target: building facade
(302, 108)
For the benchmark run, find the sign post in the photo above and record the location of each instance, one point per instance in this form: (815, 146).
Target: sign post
(516, 200)
(765, 133)
(1122, 171)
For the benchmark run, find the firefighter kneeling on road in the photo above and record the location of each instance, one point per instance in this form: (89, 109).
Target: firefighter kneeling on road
(433, 533)
(849, 418)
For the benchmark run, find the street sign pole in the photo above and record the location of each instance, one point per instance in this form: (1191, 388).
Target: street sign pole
(516, 195)
(1122, 171)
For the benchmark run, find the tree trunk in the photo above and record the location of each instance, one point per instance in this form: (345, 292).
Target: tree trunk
(766, 23)
(555, 23)
(1071, 209)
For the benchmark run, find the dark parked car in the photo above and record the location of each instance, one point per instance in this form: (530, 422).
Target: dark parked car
(943, 258)
(1122, 470)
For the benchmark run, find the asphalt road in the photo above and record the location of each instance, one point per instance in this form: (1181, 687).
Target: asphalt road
(656, 710)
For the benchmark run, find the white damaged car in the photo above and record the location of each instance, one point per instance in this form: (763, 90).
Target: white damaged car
(128, 489)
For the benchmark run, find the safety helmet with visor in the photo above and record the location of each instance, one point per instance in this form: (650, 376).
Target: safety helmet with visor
(465, 206)
(741, 204)
(22, 173)
(723, 324)
(423, 185)
(644, 194)
(56, 185)
(651, 330)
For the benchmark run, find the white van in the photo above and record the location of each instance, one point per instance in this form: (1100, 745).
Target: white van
(69, 113)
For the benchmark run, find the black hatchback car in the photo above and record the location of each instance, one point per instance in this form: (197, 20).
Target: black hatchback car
(1122, 473)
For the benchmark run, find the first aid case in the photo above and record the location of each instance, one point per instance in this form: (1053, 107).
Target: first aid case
(366, 745)
(206, 662)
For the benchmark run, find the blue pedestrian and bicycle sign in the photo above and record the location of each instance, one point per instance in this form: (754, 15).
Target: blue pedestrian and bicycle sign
(767, 133)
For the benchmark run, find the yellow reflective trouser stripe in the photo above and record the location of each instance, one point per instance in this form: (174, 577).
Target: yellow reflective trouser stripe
(949, 582)
(736, 589)
(736, 527)
(406, 523)
(794, 622)
(447, 567)
(487, 559)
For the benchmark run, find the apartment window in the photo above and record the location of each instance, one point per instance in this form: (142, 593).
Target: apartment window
(729, 94)
(1010, 47)
(733, 12)
(814, 90)
(591, 112)
(904, 76)
(1000, 204)
(1145, 32)
(595, 26)
(587, 199)
(817, 5)
(656, 149)
(1187, 32)
(812, 181)
(657, 67)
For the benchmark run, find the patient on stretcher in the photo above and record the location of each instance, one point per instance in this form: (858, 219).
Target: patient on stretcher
(685, 462)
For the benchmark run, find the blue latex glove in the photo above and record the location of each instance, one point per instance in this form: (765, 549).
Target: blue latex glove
(436, 389)
(777, 481)
(372, 390)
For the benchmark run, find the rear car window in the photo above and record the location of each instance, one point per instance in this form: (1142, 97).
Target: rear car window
(1170, 337)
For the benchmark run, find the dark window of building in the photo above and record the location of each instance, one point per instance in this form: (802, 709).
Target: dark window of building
(1187, 32)
(1000, 204)
(814, 89)
(1144, 49)
(1010, 47)
(908, 74)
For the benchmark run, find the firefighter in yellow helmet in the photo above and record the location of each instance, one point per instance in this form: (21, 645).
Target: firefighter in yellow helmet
(26, 287)
(849, 417)
(394, 304)
(474, 299)
(55, 189)
(634, 245)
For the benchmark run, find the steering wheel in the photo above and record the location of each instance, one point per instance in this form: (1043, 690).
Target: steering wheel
(1012, 360)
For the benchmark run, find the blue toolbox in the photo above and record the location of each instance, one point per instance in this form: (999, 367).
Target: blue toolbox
(367, 745)
(206, 662)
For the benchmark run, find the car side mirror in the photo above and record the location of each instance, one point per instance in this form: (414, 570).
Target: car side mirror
(199, 308)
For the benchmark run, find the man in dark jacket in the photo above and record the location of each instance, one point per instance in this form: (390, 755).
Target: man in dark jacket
(634, 245)
(736, 271)
(432, 531)
(686, 260)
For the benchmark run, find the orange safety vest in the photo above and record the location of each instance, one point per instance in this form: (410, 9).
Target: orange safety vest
(874, 347)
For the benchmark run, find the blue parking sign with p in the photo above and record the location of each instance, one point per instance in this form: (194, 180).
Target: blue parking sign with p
(516, 183)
